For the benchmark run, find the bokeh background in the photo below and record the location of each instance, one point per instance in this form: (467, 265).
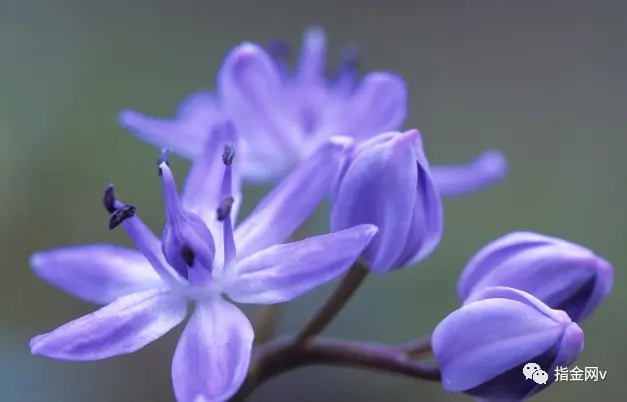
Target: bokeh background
(543, 81)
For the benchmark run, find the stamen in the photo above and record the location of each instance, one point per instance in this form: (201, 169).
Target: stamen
(108, 199)
(188, 255)
(350, 59)
(163, 158)
(120, 215)
(228, 154)
(224, 210)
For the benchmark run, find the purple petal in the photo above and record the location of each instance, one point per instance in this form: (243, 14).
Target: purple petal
(484, 339)
(287, 206)
(287, 271)
(427, 222)
(379, 104)
(184, 230)
(486, 170)
(312, 63)
(98, 273)
(252, 91)
(122, 327)
(184, 134)
(380, 188)
(212, 358)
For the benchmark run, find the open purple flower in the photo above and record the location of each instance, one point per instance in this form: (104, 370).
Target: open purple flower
(199, 258)
(284, 117)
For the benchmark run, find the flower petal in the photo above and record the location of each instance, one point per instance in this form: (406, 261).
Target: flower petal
(212, 358)
(98, 273)
(122, 327)
(252, 91)
(293, 200)
(312, 63)
(486, 170)
(287, 271)
(182, 135)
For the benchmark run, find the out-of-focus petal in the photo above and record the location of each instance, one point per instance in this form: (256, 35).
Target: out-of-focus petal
(122, 327)
(293, 200)
(98, 273)
(284, 272)
(212, 358)
(184, 134)
(252, 93)
(380, 188)
(312, 63)
(486, 170)
(379, 104)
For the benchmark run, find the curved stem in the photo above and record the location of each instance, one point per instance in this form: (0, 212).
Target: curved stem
(417, 348)
(334, 304)
(280, 356)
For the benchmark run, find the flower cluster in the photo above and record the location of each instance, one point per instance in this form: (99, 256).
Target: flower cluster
(317, 136)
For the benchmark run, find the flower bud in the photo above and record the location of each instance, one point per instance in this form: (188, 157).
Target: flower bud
(483, 347)
(564, 275)
(388, 183)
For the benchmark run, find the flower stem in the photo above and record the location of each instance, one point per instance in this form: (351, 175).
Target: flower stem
(418, 348)
(280, 356)
(334, 304)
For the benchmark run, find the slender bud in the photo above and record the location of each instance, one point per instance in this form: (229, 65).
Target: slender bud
(484, 349)
(564, 275)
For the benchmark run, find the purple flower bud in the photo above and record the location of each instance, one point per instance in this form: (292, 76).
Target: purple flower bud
(564, 275)
(388, 183)
(482, 347)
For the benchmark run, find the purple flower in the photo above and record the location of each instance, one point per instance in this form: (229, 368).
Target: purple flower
(388, 183)
(482, 347)
(199, 258)
(564, 275)
(284, 117)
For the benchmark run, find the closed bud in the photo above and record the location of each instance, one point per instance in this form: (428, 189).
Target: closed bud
(388, 183)
(483, 347)
(564, 275)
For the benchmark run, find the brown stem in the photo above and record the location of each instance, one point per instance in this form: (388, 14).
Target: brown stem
(417, 348)
(280, 356)
(334, 304)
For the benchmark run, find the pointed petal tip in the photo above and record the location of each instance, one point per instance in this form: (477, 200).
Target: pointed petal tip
(493, 162)
(245, 53)
(130, 118)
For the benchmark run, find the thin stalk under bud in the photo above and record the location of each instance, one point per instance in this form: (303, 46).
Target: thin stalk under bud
(334, 304)
(280, 356)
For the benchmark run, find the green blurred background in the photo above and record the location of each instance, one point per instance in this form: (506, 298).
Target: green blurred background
(543, 81)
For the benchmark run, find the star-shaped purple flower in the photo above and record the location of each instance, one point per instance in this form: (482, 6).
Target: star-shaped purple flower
(284, 117)
(199, 258)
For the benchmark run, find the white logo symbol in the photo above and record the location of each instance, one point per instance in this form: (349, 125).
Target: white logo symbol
(540, 377)
(532, 371)
(529, 369)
